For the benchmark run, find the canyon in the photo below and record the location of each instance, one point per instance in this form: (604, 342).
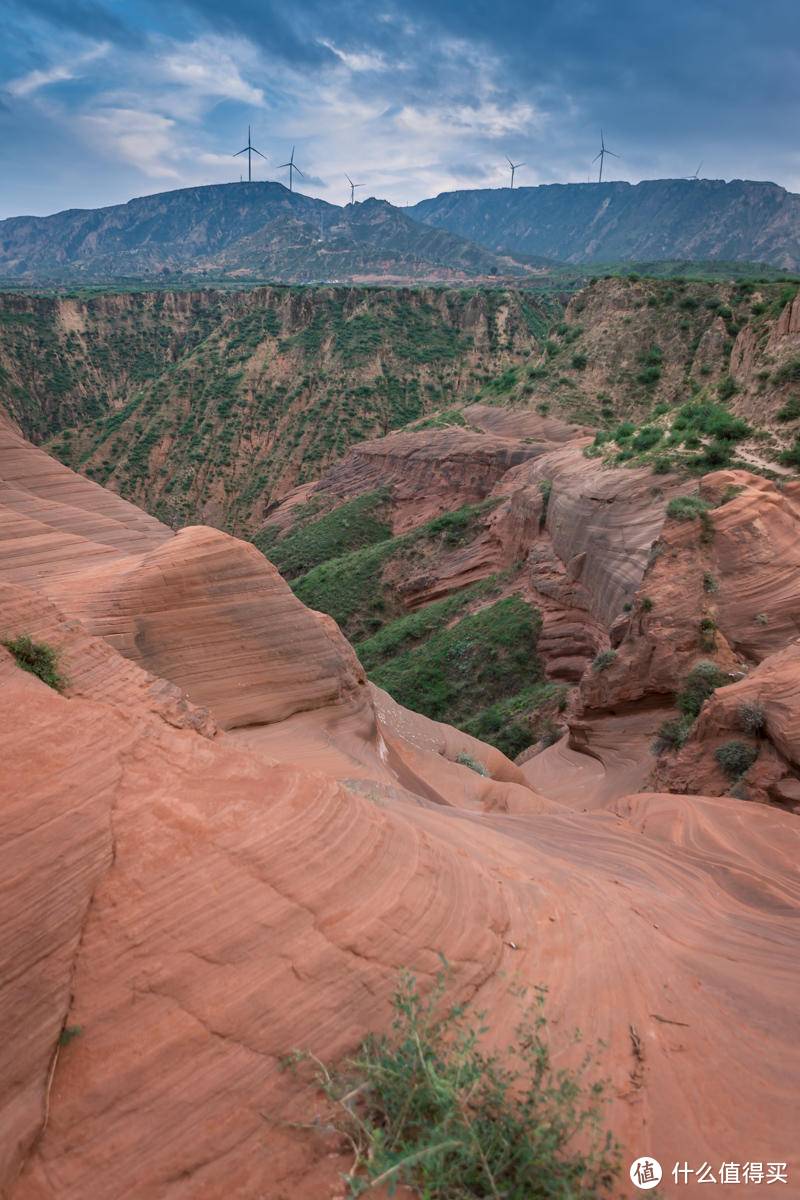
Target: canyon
(464, 685)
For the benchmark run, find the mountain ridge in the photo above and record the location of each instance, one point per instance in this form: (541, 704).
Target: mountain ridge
(740, 220)
(261, 229)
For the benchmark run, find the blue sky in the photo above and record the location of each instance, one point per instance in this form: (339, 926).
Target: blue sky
(102, 100)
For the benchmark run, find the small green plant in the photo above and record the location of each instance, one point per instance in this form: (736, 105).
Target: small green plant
(68, 1033)
(579, 362)
(790, 410)
(735, 758)
(647, 604)
(603, 660)
(427, 1106)
(686, 508)
(708, 633)
(38, 659)
(703, 679)
(710, 584)
(752, 717)
(466, 760)
(672, 734)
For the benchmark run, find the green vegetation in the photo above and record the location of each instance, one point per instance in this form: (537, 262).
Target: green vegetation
(349, 527)
(462, 670)
(38, 659)
(350, 588)
(708, 633)
(466, 760)
(69, 1033)
(603, 660)
(511, 723)
(701, 682)
(672, 734)
(788, 372)
(735, 758)
(413, 628)
(752, 717)
(427, 1106)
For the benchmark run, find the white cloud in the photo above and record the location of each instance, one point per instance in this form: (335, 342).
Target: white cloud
(144, 139)
(26, 85)
(358, 60)
(209, 67)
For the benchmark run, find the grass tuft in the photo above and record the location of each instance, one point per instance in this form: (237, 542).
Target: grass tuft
(427, 1106)
(38, 659)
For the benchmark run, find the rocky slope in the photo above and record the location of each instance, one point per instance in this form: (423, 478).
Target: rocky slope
(247, 231)
(183, 905)
(207, 405)
(611, 222)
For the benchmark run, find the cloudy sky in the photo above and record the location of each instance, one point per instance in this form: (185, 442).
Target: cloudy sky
(102, 100)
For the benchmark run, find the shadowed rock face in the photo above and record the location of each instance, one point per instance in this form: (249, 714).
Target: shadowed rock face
(190, 905)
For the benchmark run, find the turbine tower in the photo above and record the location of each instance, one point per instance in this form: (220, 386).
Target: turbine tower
(292, 168)
(249, 150)
(353, 187)
(514, 168)
(602, 155)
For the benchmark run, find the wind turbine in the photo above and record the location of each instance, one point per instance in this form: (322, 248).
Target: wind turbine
(697, 173)
(514, 168)
(602, 155)
(353, 187)
(249, 150)
(292, 169)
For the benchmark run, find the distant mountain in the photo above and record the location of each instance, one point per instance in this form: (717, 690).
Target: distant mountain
(258, 230)
(622, 222)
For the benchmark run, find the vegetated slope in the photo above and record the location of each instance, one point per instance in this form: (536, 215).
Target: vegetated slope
(413, 535)
(254, 231)
(208, 405)
(662, 366)
(188, 904)
(611, 222)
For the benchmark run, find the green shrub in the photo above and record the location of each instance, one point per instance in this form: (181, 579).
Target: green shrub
(709, 582)
(603, 660)
(38, 659)
(466, 760)
(790, 410)
(427, 1106)
(349, 527)
(735, 758)
(700, 683)
(646, 438)
(686, 508)
(708, 633)
(647, 604)
(579, 361)
(461, 670)
(789, 372)
(752, 718)
(791, 457)
(672, 734)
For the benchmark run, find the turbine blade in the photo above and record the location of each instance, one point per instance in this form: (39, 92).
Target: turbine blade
(258, 152)
(613, 155)
(282, 165)
(299, 172)
(600, 155)
(238, 152)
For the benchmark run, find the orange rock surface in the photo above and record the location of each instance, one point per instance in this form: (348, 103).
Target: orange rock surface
(197, 903)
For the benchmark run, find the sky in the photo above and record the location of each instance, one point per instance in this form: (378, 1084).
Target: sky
(103, 100)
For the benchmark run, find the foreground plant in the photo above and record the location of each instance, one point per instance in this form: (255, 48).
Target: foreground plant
(38, 659)
(428, 1107)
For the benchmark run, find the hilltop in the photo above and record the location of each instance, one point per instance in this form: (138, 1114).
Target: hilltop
(244, 231)
(696, 219)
